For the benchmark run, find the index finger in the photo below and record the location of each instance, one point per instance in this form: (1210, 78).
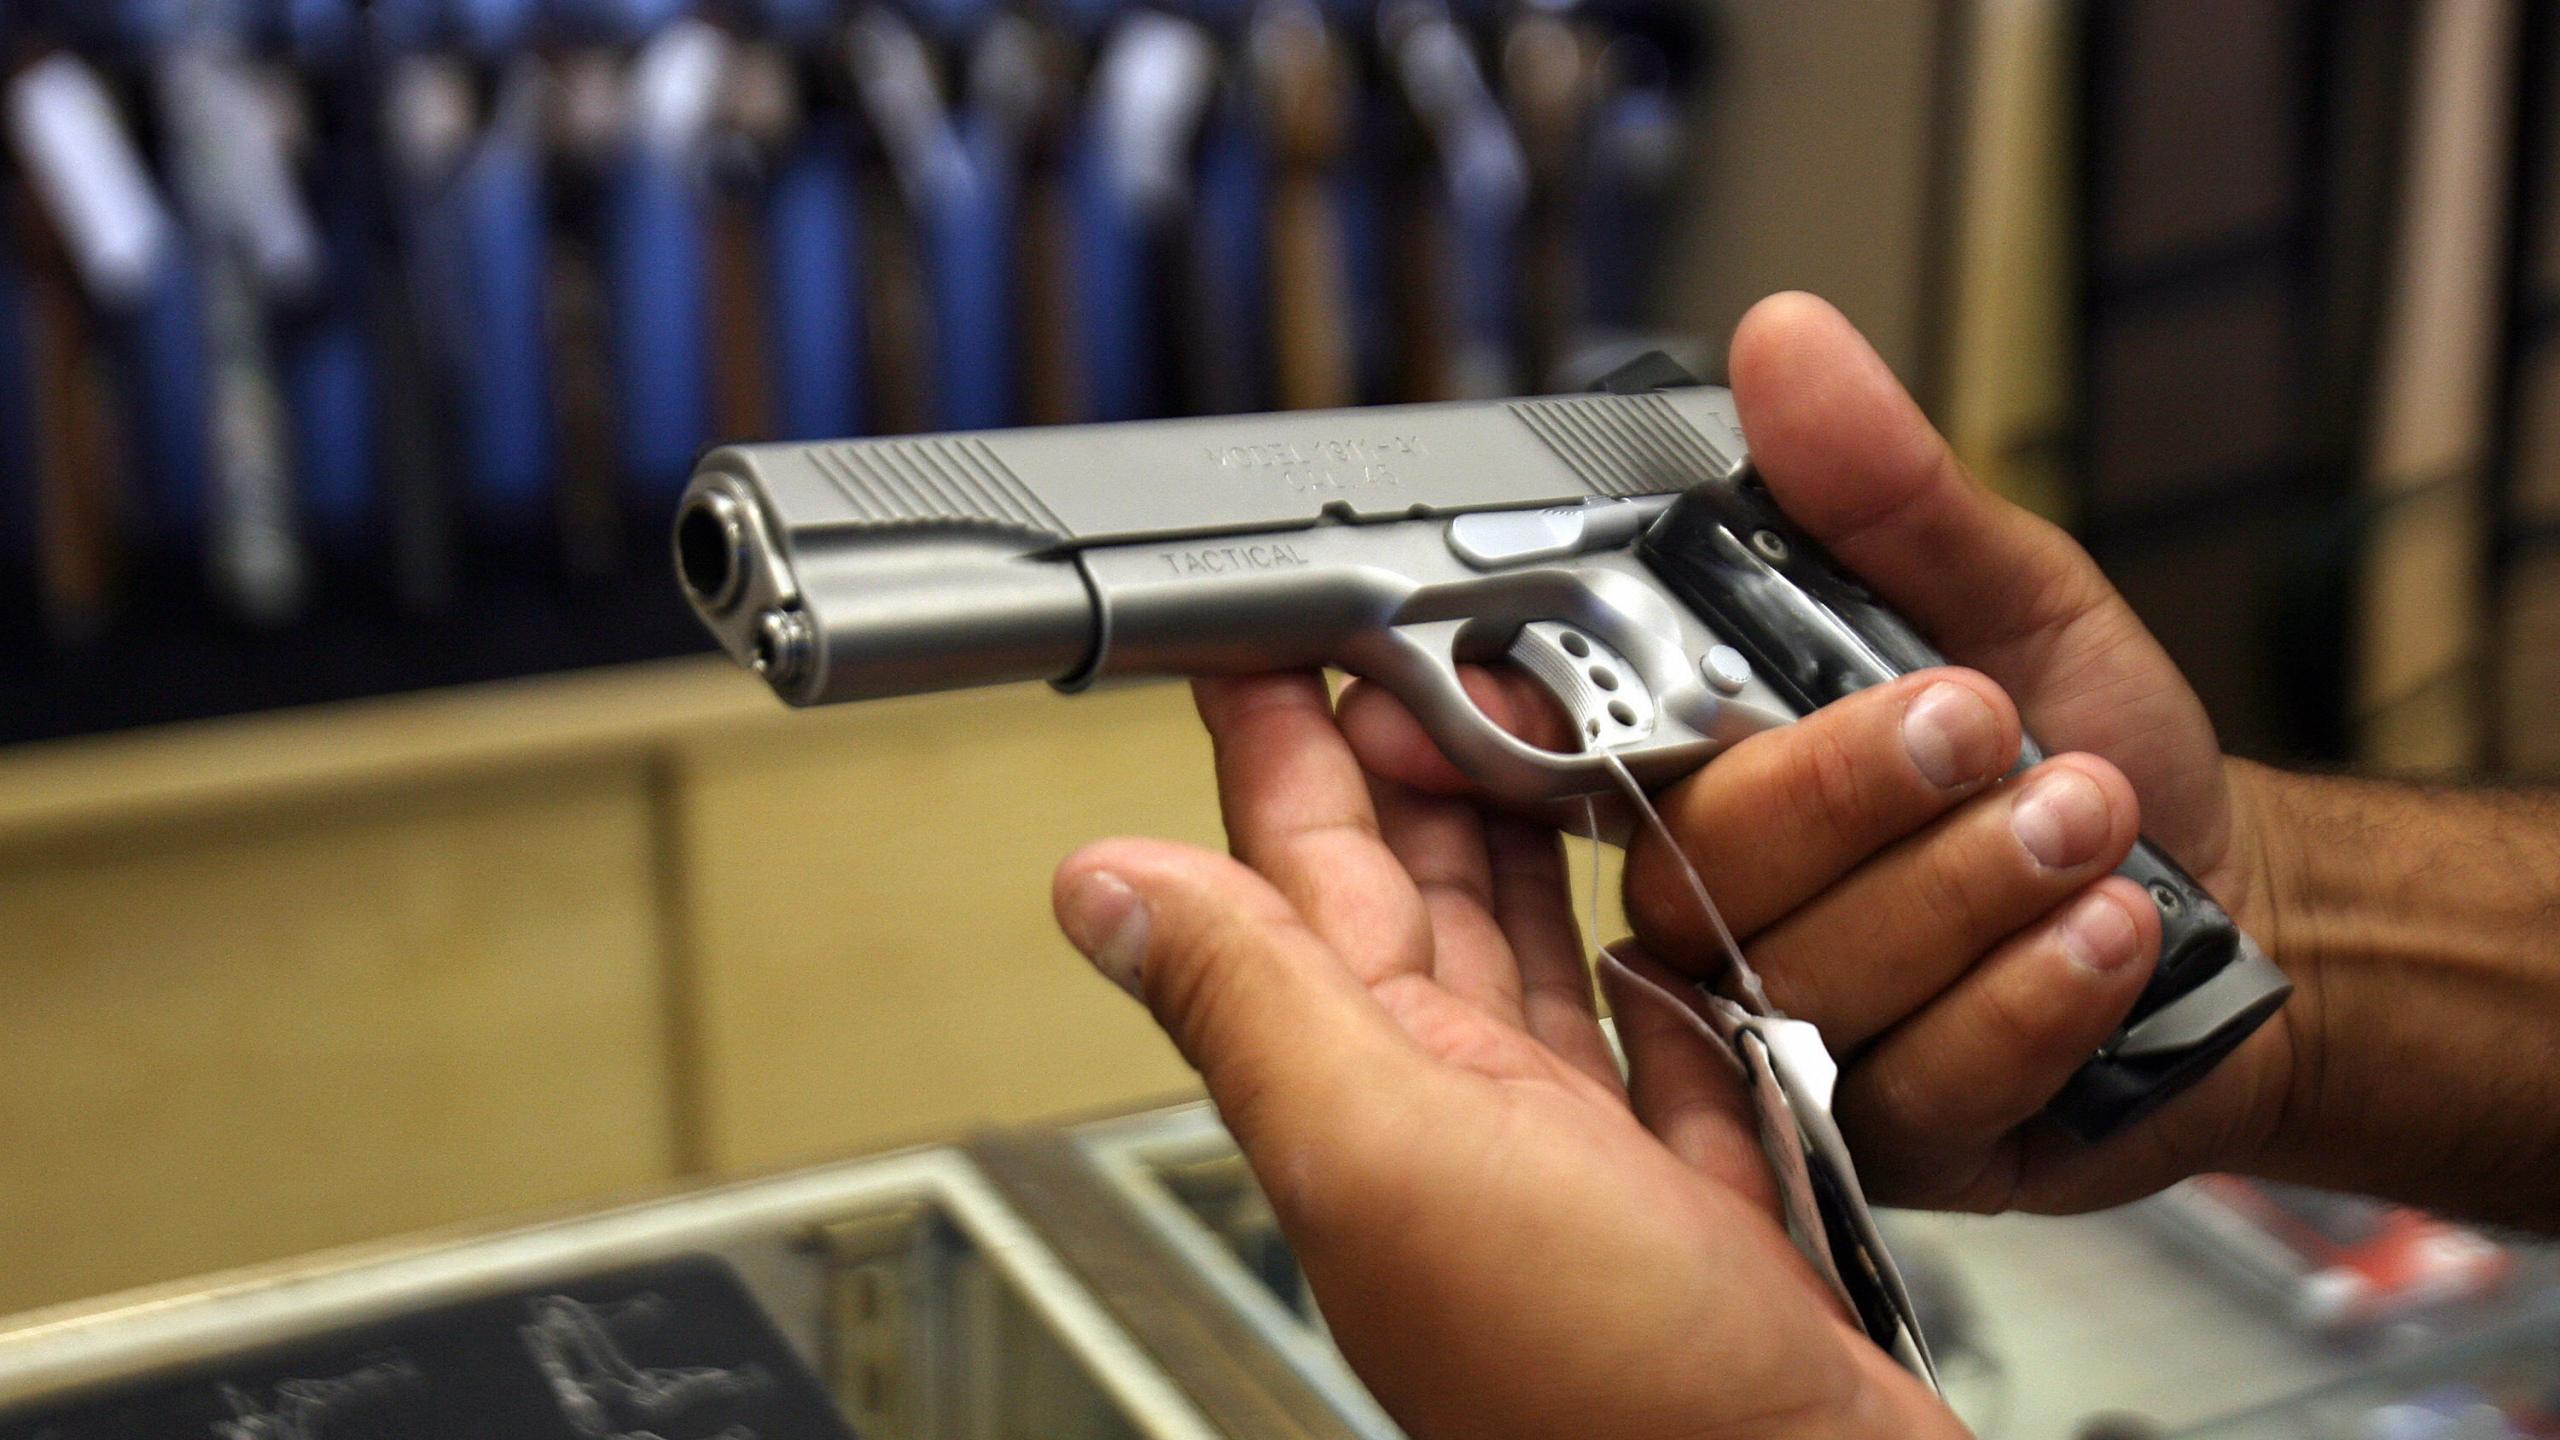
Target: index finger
(1297, 809)
(1393, 744)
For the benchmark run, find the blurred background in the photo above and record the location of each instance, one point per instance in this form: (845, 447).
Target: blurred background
(380, 848)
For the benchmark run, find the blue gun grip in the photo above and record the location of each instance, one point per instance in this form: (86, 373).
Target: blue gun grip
(492, 27)
(21, 510)
(971, 264)
(654, 258)
(812, 243)
(1111, 282)
(502, 363)
(1235, 258)
(159, 346)
(1368, 255)
(1486, 260)
(328, 388)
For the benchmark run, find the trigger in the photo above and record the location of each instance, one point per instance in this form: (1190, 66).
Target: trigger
(1594, 683)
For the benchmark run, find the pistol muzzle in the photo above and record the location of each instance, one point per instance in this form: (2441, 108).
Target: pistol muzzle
(827, 613)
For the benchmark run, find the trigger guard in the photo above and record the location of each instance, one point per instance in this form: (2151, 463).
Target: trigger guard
(1418, 664)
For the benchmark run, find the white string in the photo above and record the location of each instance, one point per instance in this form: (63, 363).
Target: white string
(1589, 915)
(1745, 978)
(1591, 912)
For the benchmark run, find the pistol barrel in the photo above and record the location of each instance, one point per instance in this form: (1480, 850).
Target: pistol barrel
(841, 613)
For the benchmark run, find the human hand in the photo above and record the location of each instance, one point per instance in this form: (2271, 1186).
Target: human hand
(1384, 992)
(1958, 937)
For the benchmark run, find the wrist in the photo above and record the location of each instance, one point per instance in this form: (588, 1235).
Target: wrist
(2261, 878)
(2415, 925)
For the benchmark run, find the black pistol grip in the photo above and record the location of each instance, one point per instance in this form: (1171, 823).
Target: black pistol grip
(1816, 634)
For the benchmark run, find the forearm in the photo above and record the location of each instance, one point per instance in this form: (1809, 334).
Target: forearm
(2423, 927)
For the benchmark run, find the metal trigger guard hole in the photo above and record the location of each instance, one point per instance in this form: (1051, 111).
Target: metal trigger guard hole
(1529, 708)
(1592, 695)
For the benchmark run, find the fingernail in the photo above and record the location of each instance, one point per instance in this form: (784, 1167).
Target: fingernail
(1105, 919)
(2098, 935)
(1952, 735)
(2062, 819)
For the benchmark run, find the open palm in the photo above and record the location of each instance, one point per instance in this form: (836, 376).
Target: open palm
(1385, 993)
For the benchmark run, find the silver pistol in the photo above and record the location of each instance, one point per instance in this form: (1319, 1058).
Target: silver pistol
(1615, 546)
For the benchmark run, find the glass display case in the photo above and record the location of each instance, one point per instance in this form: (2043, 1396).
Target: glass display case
(1118, 1281)
(2498, 1381)
(1124, 1279)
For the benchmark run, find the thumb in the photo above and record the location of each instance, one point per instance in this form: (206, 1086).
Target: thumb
(1850, 458)
(1287, 1039)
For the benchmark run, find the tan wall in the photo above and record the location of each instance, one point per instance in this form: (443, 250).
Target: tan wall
(1813, 167)
(275, 984)
(237, 1037)
(873, 958)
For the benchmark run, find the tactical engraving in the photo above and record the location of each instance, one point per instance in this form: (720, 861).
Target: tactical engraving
(1233, 559)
